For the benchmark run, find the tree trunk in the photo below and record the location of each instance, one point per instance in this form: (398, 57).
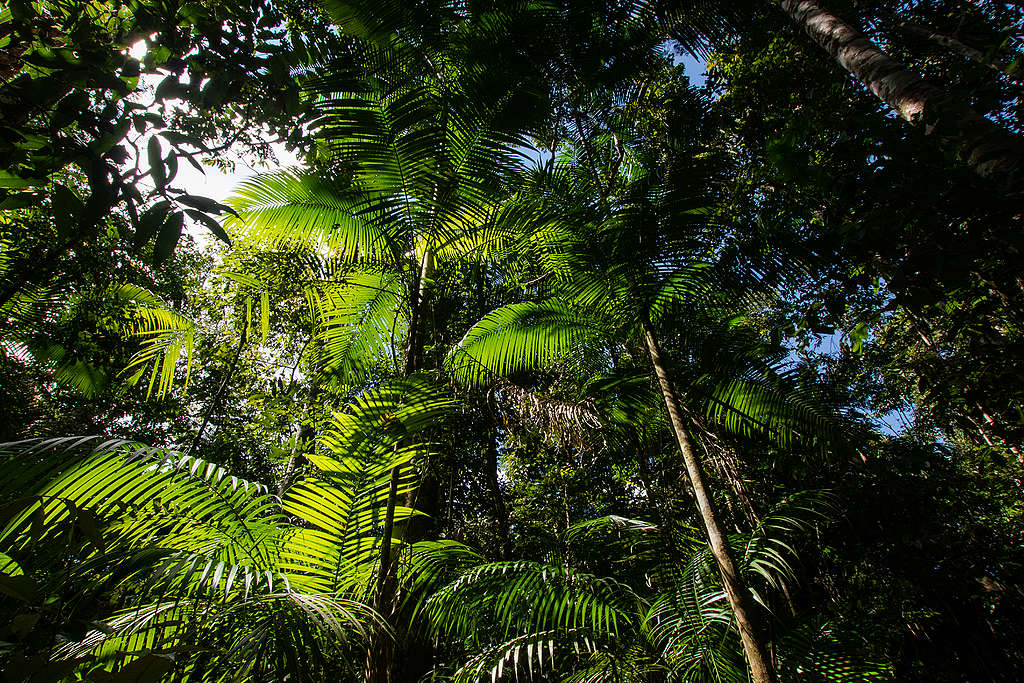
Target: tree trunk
(380, 659)
(497, 497)
(999, 64)
(988, 149)
(304, 441)
(740, 599)
(380, 656)
(221, 389)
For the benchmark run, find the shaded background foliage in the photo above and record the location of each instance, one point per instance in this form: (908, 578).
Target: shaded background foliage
(865, 277)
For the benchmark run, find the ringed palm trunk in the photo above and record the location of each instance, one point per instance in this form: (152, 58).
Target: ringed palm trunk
(990, 150)
(740, 599)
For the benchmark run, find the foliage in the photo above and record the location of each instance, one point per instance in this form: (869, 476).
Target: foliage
(407, 408)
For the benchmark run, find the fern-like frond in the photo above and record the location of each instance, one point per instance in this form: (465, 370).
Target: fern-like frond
(166, 336)
(299, 209)
(518, 337)
(212, 560)
(359, 323)
(528, 597)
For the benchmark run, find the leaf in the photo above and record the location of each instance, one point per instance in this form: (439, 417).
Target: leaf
(18, 587)
(67, 207)
(150, 221)
(156, 164)
(168, 238)
(11, 181)
(90, 528)
(22, 624)
(210, 223)
(148, 669)
(105, 143)
(176, 138)
(172, 166)
(206, 204)
(21, 200)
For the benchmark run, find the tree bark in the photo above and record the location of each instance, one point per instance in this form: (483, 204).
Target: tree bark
(307, 433)
(740, 599)
(497, 497)
(380, 656)
(989, 150)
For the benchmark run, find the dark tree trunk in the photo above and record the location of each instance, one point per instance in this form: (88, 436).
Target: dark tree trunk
(222, 389)
(381, 663)
(307, 433)
(380, 657)
(988, 149)
(740, 599)
(498, 498)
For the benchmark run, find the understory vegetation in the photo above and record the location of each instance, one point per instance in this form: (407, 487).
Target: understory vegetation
(586, 340)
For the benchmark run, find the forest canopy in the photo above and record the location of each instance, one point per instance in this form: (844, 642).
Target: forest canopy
(584, 340)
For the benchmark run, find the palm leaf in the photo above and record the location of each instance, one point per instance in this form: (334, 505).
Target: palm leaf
(517, 337)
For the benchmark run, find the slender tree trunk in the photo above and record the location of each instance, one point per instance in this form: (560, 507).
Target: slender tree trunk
(307, 433)
(424, 496)
(497, 497)
(997, 63)
(380, 656)
(219, 396)
(380, 659)
(740, 599)
(991, 151)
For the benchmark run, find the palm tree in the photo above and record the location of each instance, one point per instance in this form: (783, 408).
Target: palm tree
(627, 273)
(208, 568)
(671, 622)
(410, 169)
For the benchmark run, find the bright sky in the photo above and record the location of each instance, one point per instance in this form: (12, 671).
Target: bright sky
(219, 185)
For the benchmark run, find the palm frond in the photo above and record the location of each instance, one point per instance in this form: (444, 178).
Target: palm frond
(359, 323)
(517, 337)
(166, 337)
(529, 597)
(519, 653)
(300, 209)
(204, 553)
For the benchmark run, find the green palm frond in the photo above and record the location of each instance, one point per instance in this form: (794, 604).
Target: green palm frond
(359, 322)
(750, 389)
(25, 310)
(816, 651)
(517, 337)
(637, 540)
(256, 294)
(300, 209)
(364, 444)
(492, 233)
(166, 337)
(516, 614)
(167, 494)
(379, 418)
(770, 550)
(522, 654)
(223, 574)
(689, 285)
(690, 628)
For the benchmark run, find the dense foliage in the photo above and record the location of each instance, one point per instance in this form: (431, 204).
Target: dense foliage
(544, 362)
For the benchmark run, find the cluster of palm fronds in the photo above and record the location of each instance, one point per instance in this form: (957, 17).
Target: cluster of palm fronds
(417, 178)
(521, 618)
(184, 564)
